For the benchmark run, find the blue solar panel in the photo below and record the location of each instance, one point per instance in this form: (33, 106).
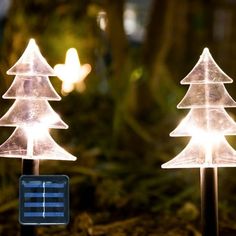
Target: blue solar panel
(44, 199)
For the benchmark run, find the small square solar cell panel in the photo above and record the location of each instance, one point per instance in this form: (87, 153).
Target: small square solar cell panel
(44, 199)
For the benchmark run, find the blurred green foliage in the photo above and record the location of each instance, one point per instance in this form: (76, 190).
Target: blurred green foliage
(120, 125)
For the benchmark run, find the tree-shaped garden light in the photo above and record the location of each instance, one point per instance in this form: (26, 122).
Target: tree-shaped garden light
(207, 123)
(31, 114)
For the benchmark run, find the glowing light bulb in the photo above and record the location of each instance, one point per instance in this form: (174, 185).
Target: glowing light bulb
(72, 73)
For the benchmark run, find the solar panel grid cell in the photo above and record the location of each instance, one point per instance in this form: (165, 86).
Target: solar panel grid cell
(44, 199)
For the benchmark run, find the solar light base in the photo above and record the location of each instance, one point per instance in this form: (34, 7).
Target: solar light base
(29, 167)
(209, 201)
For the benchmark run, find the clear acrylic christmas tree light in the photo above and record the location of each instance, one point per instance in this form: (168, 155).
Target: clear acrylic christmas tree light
(31, 113)
(207, 124)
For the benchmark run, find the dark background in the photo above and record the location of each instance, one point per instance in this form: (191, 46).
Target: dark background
(119, 126)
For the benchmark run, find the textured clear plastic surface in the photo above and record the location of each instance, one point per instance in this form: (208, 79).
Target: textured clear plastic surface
(205, 120)
(208, 151)
(31, 63)
(212, 72)
(31, 87)
(207, 95)
(33, 112)
(33, 143)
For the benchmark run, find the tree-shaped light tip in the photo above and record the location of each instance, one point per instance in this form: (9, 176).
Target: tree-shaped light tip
(165, 166)
(205, 54)
(206, 50)
(32, 41)
(32, 45)
(72, 50)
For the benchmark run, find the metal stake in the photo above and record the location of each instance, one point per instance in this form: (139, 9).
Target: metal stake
(209, 201)
(29, 167)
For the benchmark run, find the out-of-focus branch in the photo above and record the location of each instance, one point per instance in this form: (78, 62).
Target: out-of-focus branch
(116, 34)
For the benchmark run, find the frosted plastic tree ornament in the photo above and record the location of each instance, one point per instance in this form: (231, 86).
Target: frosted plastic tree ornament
(207, 122)
(31, 113)
(72, 73)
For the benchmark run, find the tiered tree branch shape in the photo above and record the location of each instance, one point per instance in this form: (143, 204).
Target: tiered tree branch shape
(207, 122)
(31, 113)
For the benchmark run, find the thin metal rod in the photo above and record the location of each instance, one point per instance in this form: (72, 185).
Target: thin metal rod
(29, 167)
(209, 201)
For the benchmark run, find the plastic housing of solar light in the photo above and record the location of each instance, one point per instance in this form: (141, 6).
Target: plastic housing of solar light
(31, 113)
(207, 122)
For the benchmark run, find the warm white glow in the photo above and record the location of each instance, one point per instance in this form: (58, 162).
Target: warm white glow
(130, 20)
(102, 20)
(35, 132)
(209, 142)
(31, 63)
(207, 138)
(207, 122)
(33, 142)
(31, 112)
(72, 72)
(53, 118)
